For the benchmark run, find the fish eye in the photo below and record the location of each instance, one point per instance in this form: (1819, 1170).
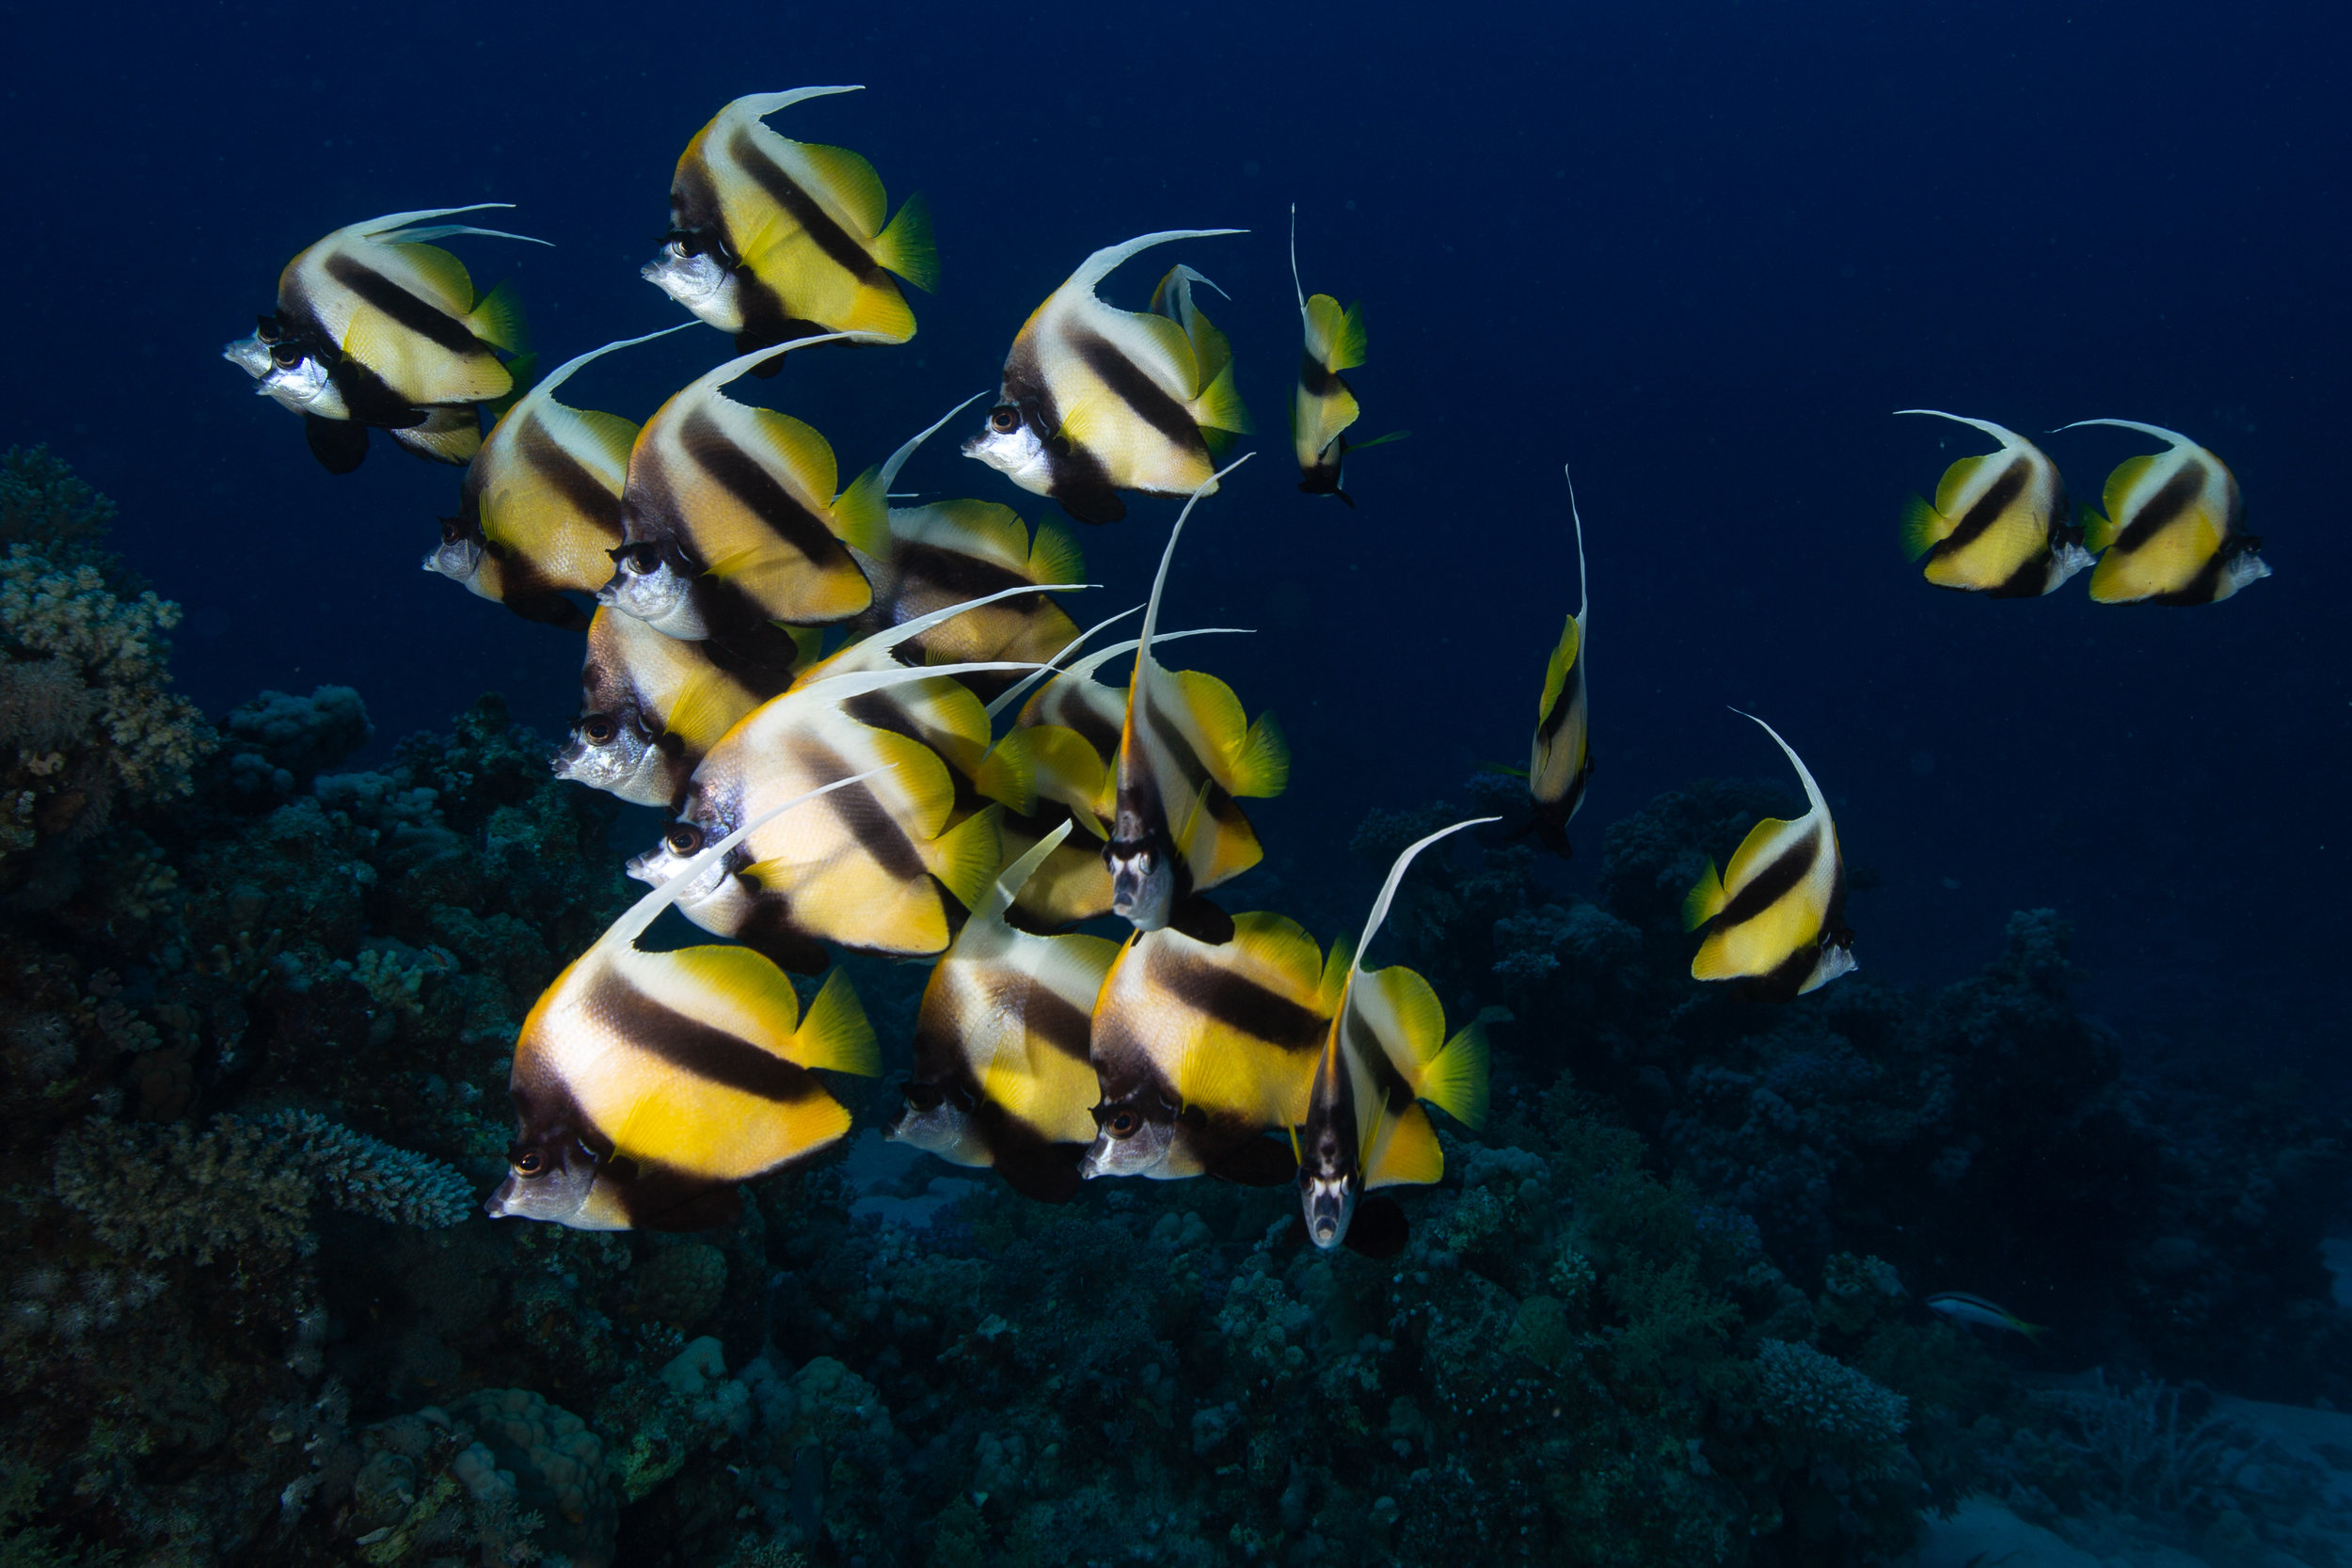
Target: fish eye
(1121, 1123)
(597, 729)
(1003, 420)
(683, 838)
(643, 560)
(530, 1163)
(268, 328)
(924, 1097)
(285, 355)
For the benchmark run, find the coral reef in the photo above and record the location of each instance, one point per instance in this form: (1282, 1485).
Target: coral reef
(1667, 1308)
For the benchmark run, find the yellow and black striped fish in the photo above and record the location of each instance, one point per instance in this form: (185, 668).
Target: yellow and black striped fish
(889, 867)
(775, 240)
(540, 510)
(651, 706)
(648, 1086)
(2000, 525)
(1001, 1076)
(1322, 405)
(377, 327)
(1775, 919)
(1203, 1047)
(1385, 1052)
(1096, 400)
(2174, 532)
(1562, 762)
(730, 519)
(1185, 752)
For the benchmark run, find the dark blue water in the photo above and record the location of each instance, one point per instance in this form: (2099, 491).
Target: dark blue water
(1700, 250)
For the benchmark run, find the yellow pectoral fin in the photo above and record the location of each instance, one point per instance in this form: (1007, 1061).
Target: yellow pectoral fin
(1403, 1150)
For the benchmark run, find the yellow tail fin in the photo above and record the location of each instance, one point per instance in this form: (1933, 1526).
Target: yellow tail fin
(1455, 1080)
(1705, 900)
(967, 856)
(1923, 525)
(1219, 406)
(906, 247)
(1008, 774)
(1055, 557)
(834, 1034)
(499, 319)
(861, 514)
(1262, 768)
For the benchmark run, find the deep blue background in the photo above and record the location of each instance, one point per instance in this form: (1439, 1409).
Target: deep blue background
(1702, 250)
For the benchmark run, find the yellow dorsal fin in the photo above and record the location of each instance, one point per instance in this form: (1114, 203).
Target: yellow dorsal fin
(1556, 672)
(1336, 966)
(1748, 858)
(848, 182)
(2119, 484)
(1334, 336)
(805, 456)
(1957, 477)
(611, 436)
(1405, 1017)
(1281, 945)
(440, 273)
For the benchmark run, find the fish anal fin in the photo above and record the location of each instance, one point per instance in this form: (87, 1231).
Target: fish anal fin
(340, 445)
(1203, 919)
(1404, 1151)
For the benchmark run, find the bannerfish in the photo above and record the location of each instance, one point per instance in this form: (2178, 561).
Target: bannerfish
(2174, 532)
(540, 510)
(646, 1086)
(376, 326)
(1322, 405)
(882, 867)
(651, 706)
(1385, 1052)
(2000, 525)
(775, 240)
(1963, 1308)
(1562, 762)
(1775, 920)
(1185, 753)
(1070, 730)
(954, 552)
(1097, 400)
(1202, 1048)
(1001, 1076)
(730, 520)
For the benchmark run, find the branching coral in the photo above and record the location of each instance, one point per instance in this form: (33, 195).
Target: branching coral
(1802, 1390)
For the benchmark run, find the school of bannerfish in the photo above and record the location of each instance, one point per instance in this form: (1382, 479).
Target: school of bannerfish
(875, 729)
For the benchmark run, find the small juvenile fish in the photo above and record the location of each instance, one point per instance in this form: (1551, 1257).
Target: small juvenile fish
(540, 510)
(1385, 1052)
(1185, 752)
(375, 327)
(730, 520)
(651, 706)
(2001, 524)
(648, 1086)
(774, 239)
(1322, 405)
(1001, 1076)
(2174, 532)
(1963, 1308)
(1097, 400)
(1202, 1047)
(1562, 762)
(1775, 920)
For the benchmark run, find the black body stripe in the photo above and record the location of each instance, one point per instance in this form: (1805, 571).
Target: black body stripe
(959, 576)
(835, 240)
(1139, 391)
(1052, 1017)
(1772, 882)
(553, 464)
(1988, 509)
(2167, 503)
(1314, 377)
(868, 821)
(1080, 480)
(1569, 700)
(742, 477)
(709, 1054)
(694, 204)
(422, 317)
(1242, 1004)
(1074, 712)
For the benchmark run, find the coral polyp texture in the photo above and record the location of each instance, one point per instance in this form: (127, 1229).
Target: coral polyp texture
(1669, 1308)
